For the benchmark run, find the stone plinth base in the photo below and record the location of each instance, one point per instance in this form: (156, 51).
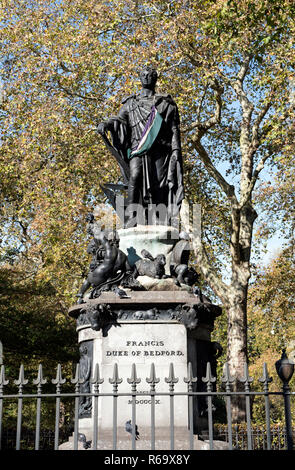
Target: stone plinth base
(145, 328)
(141, 343)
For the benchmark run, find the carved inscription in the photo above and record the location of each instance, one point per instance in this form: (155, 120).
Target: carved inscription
(144, 400)
(135, 352)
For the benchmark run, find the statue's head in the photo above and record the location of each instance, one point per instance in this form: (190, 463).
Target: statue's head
(161, 260)
(148, 77)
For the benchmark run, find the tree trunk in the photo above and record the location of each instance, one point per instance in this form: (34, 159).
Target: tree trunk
(237, 355)
(237, 334)
(237, 347)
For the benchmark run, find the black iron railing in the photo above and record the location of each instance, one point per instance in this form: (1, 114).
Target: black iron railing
(250, 437)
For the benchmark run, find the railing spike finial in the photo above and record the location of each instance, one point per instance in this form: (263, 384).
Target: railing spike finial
(133, 379)
(209, 379)
(246, 379)
(227, 379)
(59, 380)
(77, 380)
(190, 379)
(3, 381)
(115, 380)
(265, 379)
(171, 379)
(40, 380)
(152, 379)
(96, 379)
(21, 381)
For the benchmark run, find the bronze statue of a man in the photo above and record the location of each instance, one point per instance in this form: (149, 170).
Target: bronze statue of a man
(146, 138)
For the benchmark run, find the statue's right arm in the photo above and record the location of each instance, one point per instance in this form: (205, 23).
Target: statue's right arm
(112, 123)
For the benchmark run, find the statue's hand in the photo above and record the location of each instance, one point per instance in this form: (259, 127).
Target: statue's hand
(170, 184)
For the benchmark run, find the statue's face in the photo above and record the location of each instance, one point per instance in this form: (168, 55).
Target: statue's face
(148, 78)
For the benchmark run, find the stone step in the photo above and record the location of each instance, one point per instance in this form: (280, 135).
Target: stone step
(162, 440)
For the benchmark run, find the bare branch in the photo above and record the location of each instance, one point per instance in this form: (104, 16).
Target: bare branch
(209, 273)
(189, 55)
(247, 106)
(228, 189)
(252, 148)
(213, 120)
(255, 142)
(247, 195)
(199, 108)
(74, 94)
(258, 120)
(173, 66)
(244, 69)
(235, 234)
(247, 152)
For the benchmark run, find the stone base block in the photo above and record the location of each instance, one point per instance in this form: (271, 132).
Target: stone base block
(141, 343)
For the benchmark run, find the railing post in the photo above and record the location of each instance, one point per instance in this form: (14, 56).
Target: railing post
(115, 381)
(20, 383)
(3, 382)
(39, 382)
(133, 381)
(247, 380)
(285, 370)
(228, 381)
(209, 380)
(58, 381)
(171, 380)
(190, 380)
(265, 379)
(96, 381)
(77, 381)
(152, 380)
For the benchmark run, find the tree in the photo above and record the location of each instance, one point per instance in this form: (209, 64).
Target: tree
(66, 65)
(34, 322)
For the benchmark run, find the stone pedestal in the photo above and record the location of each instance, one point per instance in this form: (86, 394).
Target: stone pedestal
(141, 343)
(159, 327)
(157, 239)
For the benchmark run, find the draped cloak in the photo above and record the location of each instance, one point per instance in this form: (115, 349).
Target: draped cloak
(148, 127)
